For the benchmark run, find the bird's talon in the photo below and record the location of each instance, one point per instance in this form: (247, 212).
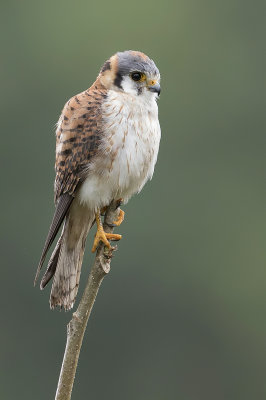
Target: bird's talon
(113, 236)
(99, 237)
(120, 218)
(102, 236)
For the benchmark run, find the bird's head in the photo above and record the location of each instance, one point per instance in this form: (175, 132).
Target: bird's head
(131, 72)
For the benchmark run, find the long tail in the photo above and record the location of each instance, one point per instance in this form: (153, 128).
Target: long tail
(66, 260)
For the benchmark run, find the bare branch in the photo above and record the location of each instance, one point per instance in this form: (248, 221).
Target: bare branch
(77, 326)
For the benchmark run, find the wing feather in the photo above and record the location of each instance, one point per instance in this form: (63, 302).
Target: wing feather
(78, 137)
(62, 207)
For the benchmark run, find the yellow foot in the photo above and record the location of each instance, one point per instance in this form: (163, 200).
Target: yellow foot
(102, 236)
(120, 218)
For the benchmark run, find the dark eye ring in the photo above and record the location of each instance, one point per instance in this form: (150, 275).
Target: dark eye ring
(136, 76)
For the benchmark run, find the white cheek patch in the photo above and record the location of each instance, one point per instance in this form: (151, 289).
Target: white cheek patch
(129, 85)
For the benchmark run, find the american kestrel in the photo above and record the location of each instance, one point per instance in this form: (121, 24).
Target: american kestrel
(107, 141)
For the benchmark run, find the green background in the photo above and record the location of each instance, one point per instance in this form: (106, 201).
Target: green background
(182, 315)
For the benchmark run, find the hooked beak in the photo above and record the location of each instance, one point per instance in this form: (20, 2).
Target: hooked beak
(154, 87)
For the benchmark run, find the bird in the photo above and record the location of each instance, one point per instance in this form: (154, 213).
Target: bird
(107, 142)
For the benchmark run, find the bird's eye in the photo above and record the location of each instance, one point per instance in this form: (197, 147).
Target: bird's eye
(137, 76)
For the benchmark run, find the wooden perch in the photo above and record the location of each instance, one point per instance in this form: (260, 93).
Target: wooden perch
(77, 326)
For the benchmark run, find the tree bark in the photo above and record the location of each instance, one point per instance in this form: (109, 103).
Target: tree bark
(77, 326)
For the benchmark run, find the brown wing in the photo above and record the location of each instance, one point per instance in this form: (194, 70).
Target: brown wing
(77, 138)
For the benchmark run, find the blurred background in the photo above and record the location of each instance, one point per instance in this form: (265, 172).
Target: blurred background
(182, 315)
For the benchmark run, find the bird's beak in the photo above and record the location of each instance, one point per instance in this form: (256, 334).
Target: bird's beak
(155, 87)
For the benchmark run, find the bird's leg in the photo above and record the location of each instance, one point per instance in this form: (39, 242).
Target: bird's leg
(102, 236)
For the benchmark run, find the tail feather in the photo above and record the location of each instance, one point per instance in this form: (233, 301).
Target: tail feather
(66, 260)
